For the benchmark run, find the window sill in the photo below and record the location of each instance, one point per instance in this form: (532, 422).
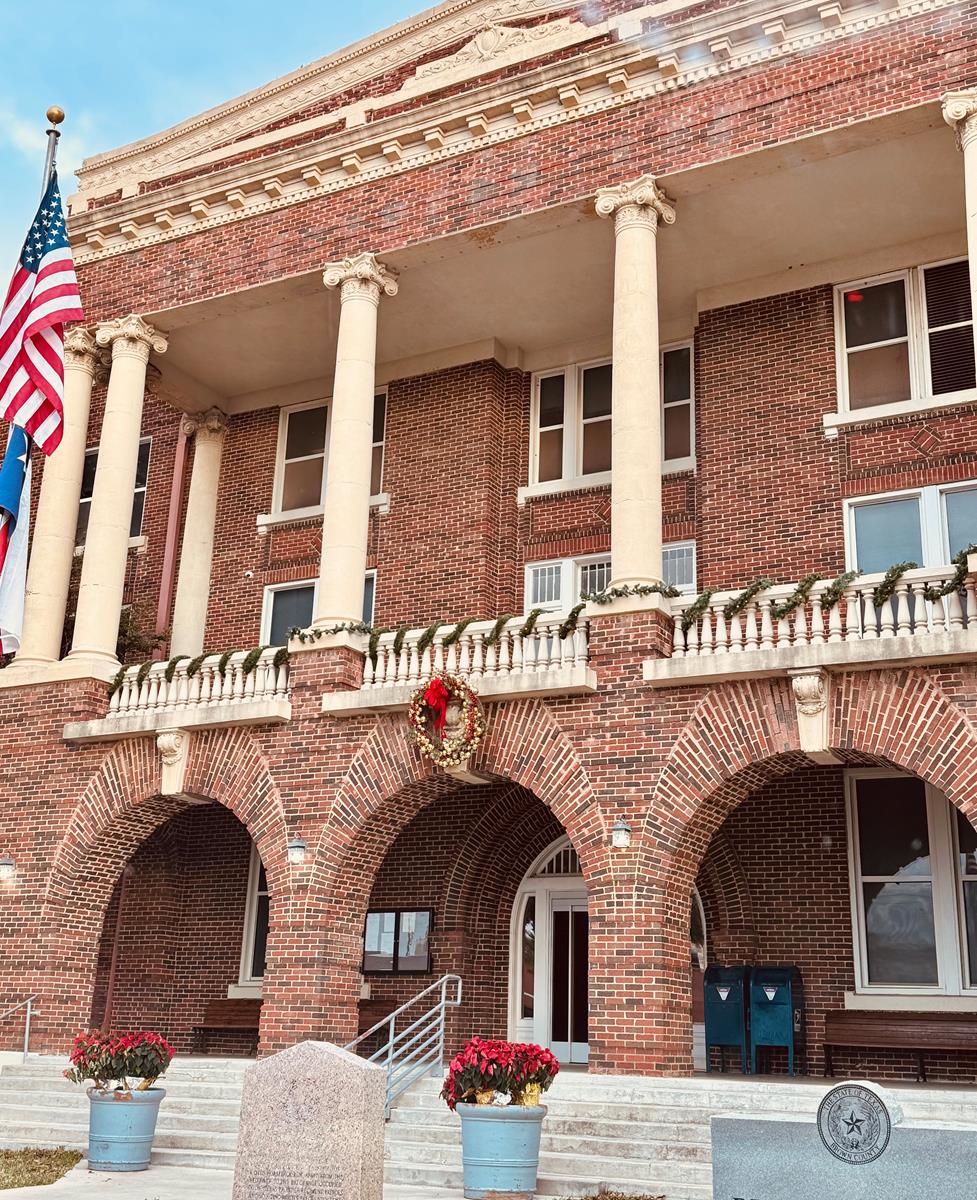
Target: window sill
(583, 483)
(837, 420)
(139, 544)
(901, 1002)
(244, 991)
(267, 521)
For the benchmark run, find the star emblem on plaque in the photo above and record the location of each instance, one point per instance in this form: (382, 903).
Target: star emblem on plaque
(854, 1123)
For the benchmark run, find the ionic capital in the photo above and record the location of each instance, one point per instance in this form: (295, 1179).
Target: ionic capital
(80, 351)
(362, 278)
(204, 425)
(960, 113)
(639, 203)
(131, 336)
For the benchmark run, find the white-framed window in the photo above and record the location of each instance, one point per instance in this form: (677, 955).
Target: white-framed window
(255, 940)
(928, 525)
(557, 585)
(905, 338)
(292, 606)
(300, 463)
(138, 494)
(913, 872)
(571, 419)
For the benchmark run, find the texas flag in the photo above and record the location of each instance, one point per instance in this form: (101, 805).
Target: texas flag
(15, 507)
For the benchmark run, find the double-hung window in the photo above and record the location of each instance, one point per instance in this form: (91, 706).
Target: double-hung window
(292, 606)
(906, 338)
(928, 526)
(557, 585)
(303, 439)
(571, 420)
(913, 861)
(138, 494)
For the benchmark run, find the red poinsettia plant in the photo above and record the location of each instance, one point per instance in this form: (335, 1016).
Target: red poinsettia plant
(485, 1066)
(119, 1057)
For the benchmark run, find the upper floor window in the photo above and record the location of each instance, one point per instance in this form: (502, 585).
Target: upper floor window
(292, 606)
(905, 337)
(303, 437)
(138, 495)
(927, 526)
(556, 586)
(914, 886)
(571, 419)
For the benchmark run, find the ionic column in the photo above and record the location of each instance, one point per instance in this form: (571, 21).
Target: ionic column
(346, 515)
(53, 546)
(107, 539)
(197, 551)
(960, 112)
(636, 421)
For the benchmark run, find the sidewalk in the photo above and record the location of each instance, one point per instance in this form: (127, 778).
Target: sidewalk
(158, 1183)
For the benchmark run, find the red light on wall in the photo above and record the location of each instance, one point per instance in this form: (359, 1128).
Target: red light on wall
(854, 297)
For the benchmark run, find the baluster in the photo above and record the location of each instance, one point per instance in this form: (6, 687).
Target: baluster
(426, 662)
(413, 664)
(193, 689)
(751, 639)
(238, 677)
(800, 625)
(518, 651)
(565, 648)
(939, 615)
(888, 622)
(766, 623)
(530, 653)
(490, 659)
(504, 654)
(722, 634)
(249, 683)
(281, 680)
(705, 634)
(465, 653)
(850, 625)
(438, 655)
(369, 671)
(581, 644)
(817, 622)
(736, 634)
(183, 686)
(203, 682)
(904, 619)
(678, 637)
(956, 611)
(478, 650)
(970, 588)
(152, 698)
(692, 640)
(451, 657)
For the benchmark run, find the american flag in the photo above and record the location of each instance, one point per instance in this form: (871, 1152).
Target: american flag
(43, 295)
(15, 507)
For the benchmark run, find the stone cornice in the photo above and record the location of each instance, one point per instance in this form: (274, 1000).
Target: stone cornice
(625, 73)
(960, 113)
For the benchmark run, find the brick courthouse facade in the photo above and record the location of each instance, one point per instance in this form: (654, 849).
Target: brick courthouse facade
(759, 216)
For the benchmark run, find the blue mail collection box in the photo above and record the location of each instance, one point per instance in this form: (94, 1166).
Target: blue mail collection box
(776, 1011)
(725, 1012)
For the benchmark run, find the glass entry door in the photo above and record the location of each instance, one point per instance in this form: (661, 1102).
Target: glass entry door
(569, 1015)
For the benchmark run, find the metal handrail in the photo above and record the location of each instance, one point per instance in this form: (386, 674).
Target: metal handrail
(27, 1004)
(418, 1048)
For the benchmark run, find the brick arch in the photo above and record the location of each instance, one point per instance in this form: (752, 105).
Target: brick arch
(724, 893)
(744, 735)
(119, 809)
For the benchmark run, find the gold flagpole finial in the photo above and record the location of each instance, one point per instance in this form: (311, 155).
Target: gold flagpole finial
(55, 114)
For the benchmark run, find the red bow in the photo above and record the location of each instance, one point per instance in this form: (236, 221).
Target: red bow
(437, 697)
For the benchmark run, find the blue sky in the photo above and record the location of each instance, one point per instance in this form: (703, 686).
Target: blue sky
(123, 69)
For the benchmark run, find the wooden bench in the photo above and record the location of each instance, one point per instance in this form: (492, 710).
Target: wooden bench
(228, 1016)
(915, 1031)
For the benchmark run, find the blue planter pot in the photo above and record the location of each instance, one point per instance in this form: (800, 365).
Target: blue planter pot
(500, 1149)
(121, 1127)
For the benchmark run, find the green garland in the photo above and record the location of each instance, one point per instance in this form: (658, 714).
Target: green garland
(695, 610)
(956, 581)
(797, 597)
(373, 646)
(194, 665)
(836, 589)
(281, 657)
(144, 671)
(222, 662)
(314, 634)
(449, 639)
(251, 659)
(570, 624)
(734, 607)
(886, 589)
(496, 631)
(631, 589)
(530, 622)
(172, 665)
(427, 637)
(399, 637)
(117, 681)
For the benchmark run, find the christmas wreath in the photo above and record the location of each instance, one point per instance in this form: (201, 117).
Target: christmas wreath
(427, 716)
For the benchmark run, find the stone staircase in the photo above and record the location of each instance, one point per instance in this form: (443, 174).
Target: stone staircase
(198, 1121)
(634, 1135)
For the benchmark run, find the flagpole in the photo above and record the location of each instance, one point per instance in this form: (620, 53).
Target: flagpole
(55, 115)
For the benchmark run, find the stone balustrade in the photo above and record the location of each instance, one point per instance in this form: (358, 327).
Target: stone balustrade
(853, 630)
(219, 692)
(513, 664)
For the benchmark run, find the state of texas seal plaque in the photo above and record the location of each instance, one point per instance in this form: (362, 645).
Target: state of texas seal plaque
(854, 1124)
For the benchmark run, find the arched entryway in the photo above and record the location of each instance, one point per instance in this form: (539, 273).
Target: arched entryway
(549, 961)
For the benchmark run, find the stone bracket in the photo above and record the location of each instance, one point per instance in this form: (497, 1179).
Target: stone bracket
(812, 693)
(174, 748)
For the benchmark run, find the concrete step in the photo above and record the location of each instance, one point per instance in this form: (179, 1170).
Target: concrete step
(630, 1153)
(438, 1180)
(34, 1133)
(76, 1099)
(407, 1123)
(169, 1121)
(214, 1160)
(175, 1088)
